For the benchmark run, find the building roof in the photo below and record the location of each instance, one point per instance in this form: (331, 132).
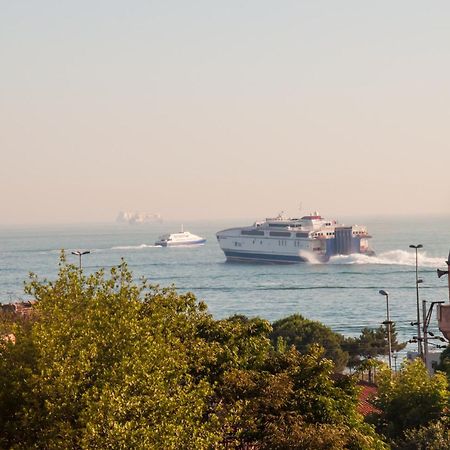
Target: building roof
(368, 392)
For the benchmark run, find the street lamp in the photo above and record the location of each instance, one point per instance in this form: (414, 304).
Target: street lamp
(388, 323)
(419, 336)
(80, 253)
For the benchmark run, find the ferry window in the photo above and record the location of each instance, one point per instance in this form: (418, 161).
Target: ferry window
(280, 233)
(252, 233)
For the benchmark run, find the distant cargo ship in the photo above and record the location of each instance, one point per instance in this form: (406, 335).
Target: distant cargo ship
(293, 240)
(135, 218)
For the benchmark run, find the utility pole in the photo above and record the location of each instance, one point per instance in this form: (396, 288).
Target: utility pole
(426, 323)
(418, 281)
(388, 325)
(425, 331)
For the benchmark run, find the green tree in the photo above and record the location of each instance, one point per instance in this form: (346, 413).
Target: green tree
(435, 436)
(17, 364)
(303, 333)
(371, 343)
(113, 366)
(411, 399)
(296, 402)
(240, 342)
(444, 362)
(111, 363)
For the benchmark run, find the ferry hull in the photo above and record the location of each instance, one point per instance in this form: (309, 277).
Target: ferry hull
(181, 244)
(236, 256)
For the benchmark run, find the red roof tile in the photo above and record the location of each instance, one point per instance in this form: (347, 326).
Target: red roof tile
(368, 392)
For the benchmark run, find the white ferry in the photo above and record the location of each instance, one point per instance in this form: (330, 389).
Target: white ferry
(179, 239)
(293, 240)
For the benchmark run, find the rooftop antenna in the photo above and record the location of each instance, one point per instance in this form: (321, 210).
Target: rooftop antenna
(182, 228)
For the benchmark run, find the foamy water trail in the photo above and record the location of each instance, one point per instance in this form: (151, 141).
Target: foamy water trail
(310, 257)
(57, 251)
(134, 247)
(393, 257)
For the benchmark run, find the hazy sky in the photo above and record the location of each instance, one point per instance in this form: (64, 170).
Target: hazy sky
(200, 109)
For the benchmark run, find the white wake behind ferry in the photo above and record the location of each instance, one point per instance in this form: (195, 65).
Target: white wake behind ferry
(292, 240)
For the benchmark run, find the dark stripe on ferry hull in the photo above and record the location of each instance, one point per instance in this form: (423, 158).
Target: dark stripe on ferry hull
(234, 256)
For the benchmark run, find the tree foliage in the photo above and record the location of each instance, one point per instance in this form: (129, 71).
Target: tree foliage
(303, 334)
(435, 436)
(411, 399)
(17, 364)
(371, 343)
(293, 397)
(444, 362)
(113, 366)
(110, 363)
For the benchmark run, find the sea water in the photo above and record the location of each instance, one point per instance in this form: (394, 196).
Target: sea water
(342, 293)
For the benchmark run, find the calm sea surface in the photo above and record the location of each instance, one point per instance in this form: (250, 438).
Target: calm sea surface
(343, 293)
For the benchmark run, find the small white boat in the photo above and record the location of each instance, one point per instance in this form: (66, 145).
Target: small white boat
(179, 239)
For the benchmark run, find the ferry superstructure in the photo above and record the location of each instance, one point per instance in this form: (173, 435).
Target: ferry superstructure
(293, 240)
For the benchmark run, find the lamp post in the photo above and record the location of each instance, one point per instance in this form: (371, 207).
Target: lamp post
(388, 323)
(419, 335)
(80, 253)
